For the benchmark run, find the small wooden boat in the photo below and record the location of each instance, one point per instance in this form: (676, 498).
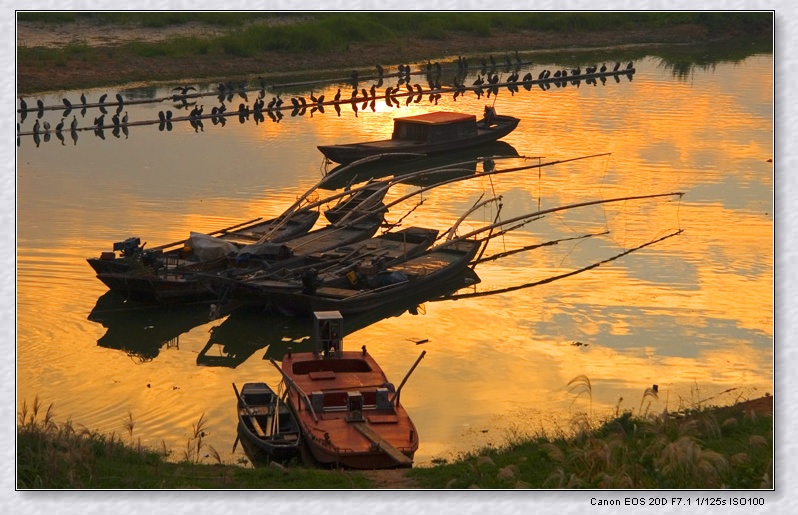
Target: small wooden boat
(429, 133)
(133, 255)
(349, 413)
(369, 288)
(266, 422)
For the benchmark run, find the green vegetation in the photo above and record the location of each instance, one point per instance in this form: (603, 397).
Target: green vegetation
(52, 456)
(256, 43)
(705, 449)
(702, 448)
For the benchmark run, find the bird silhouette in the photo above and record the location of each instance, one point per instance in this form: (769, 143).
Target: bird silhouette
(73, 126)
(23, 106)
(46, 126)
(337, 96)
(102, 98)
(115, 120)
(603, 67)
(36, 127)
(124, 118)
(184, 89)
(380, 70)
(67, 104)
(40, 104)
(629, 66)
(119, 99)
(60, 126)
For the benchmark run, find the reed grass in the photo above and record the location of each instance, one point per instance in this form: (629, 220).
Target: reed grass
(697, 448)
(700, 447)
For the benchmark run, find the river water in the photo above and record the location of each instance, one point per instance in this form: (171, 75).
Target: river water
(692, 313)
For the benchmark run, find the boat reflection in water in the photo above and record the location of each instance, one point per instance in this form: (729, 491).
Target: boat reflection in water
(462, 163)
(142, 329)
(249, 329)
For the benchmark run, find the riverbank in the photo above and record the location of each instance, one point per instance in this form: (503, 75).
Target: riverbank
(81, 54)
(707, 448)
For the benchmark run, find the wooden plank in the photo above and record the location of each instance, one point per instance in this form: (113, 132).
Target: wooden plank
(258, 430)
(339, 293)
(384, 445)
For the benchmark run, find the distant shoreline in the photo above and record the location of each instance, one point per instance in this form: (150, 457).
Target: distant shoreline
(103, 61)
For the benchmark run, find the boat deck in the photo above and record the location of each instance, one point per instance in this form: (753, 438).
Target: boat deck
(352, 421)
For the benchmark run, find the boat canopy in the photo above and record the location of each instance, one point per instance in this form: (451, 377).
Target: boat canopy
(435, 127)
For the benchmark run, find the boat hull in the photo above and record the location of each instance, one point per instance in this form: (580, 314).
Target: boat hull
(427, 273)
(348, 153)
(257, 404)
(373, 433)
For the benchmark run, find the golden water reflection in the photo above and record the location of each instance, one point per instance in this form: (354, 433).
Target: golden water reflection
(692, 313)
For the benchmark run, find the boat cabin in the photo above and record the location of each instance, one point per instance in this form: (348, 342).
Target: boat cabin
(438, 127)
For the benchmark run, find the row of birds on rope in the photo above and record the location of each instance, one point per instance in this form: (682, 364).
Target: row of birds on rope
(365, 98)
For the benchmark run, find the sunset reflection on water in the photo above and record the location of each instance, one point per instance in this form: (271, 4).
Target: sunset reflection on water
(692, 313)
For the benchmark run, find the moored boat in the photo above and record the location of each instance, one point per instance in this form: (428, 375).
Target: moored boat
(429, 133)
(349, 413)
(310, 272)
(370, 287)
(132, 254)
(266, 422)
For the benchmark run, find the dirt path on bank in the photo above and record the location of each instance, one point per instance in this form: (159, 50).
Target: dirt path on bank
(110, 68)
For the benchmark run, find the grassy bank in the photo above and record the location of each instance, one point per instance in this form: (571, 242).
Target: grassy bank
(264, 43)
(708, 448)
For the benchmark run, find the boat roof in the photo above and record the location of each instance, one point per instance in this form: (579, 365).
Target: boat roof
(437, 118)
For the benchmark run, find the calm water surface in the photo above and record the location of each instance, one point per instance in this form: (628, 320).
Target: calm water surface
(692, 313)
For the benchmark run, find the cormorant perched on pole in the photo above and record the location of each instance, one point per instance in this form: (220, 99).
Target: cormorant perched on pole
(67, 103)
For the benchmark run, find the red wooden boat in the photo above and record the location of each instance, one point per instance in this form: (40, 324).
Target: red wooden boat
(348, 411)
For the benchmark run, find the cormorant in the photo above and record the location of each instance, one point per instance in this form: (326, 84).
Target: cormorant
(103, 97)
(115, 119)
(184, 89)
(23, 106)
(67, 104)
(73, 126)
(629, 66)
(120, 99)
(40, 104)
(36, 127)
(46, 126)
(603, 67)
(124, 118)
(336, 98)
(83, 98)
(617, 65)
(60, 126)
(380, 71)
(162, 117)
